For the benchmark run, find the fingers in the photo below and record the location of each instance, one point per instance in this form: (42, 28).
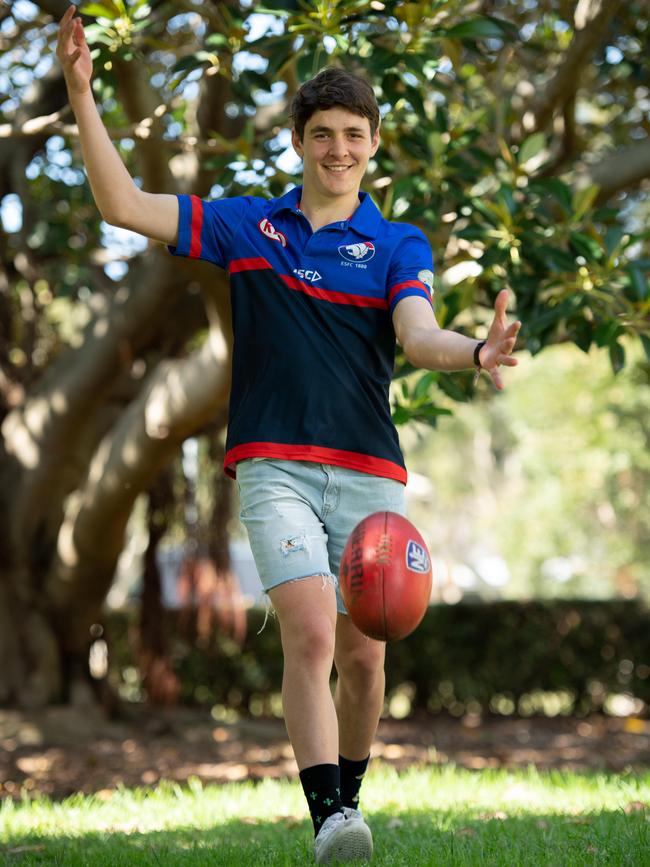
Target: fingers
(504, 353)
(503, 336)
(65, 33)
(67, 15)
(496, 379)
(501, 303)
(71, 36)
(501, 339)
(78, 33)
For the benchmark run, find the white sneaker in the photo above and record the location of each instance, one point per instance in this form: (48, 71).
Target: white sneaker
(343, 837)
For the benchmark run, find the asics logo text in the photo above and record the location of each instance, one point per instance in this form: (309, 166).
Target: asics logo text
(305, 274)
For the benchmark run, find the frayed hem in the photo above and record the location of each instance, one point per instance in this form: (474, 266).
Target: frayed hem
(270, 611)
(328, 580)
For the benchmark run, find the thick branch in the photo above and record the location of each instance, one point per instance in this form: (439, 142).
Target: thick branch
(140, 101)
(564, 84)
(42, 98)
(211, 118)
(215, 92)
(181, 397)
(51, 125)
(621, 170)
(43, 436)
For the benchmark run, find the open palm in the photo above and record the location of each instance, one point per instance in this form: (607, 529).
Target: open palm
(73, 53)
(500, 341)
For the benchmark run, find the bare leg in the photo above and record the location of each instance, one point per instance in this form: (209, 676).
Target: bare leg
(307, 613)
(359, 693)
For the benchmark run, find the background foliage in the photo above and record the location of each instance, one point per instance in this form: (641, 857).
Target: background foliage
(535, 658)
(515, 135)
(548, 479)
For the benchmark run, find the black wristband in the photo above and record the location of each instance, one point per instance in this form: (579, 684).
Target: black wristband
(477, 349)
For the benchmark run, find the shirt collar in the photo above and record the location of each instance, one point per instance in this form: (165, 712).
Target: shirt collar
(288, 202)
(365, 220)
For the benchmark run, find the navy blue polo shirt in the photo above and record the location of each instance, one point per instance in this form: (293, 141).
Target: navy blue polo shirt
(314, 344)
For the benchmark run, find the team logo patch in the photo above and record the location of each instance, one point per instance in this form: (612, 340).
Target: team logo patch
(267, 229)
(417, 559)
(357, 252)
(427, 278)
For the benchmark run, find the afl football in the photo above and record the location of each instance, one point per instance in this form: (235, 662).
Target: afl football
(385, 576)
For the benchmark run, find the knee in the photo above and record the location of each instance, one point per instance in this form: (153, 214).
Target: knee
(363, 665)
(310, 643)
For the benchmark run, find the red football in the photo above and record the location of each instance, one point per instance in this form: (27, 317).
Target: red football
(385, 576)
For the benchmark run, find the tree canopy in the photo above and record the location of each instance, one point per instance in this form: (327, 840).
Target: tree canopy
(514, 134)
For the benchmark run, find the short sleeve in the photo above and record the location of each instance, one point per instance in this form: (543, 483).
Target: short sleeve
(411, 269)
(206, 229)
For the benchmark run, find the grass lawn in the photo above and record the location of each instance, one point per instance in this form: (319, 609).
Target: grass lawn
(423, 816)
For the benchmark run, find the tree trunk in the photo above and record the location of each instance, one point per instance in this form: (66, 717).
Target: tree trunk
(160, 682)
(30, 661)
(58, 556)
(80, 444)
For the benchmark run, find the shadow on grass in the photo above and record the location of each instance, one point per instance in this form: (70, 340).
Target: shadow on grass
(409, 839)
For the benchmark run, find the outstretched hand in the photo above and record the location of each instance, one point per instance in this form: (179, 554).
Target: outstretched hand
(73, 53)
(500, 341)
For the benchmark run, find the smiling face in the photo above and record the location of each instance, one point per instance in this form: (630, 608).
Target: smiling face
(335, 149)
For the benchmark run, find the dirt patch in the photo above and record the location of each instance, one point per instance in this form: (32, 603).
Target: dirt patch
(63, 750)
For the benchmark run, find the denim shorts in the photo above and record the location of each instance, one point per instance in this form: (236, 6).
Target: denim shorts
(299, 515)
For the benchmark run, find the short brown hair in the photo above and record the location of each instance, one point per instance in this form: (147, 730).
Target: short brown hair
(331, 88)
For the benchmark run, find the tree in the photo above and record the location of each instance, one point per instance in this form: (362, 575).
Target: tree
(516, 139)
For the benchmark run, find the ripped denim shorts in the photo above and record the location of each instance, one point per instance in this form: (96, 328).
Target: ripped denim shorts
(299, 515)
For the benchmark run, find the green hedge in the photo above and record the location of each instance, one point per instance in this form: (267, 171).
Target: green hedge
(505, 657)
(493, 656)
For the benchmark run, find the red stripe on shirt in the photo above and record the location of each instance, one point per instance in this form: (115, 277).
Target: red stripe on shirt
(317, 454)
(255, 264)
(195, 228)
(407, 284)
(333, 297)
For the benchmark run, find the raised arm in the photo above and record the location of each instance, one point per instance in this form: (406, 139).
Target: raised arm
(118, 199)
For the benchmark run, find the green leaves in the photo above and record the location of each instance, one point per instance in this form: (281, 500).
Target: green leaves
(217, 40)
(609, 335)
(107, 9)
(415, 398)
(503, 205)
(583, 200)
(482, 28)
(585, 246)
(192, 61)
(114, 9)
(427, 413)
(645, 342)
(617, 356)
(530, 147)
(638, 289)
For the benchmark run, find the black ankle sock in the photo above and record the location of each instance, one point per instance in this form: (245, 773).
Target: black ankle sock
(322, 787)
(351, 778)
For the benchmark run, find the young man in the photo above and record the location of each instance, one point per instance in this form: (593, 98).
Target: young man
(321, 285)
